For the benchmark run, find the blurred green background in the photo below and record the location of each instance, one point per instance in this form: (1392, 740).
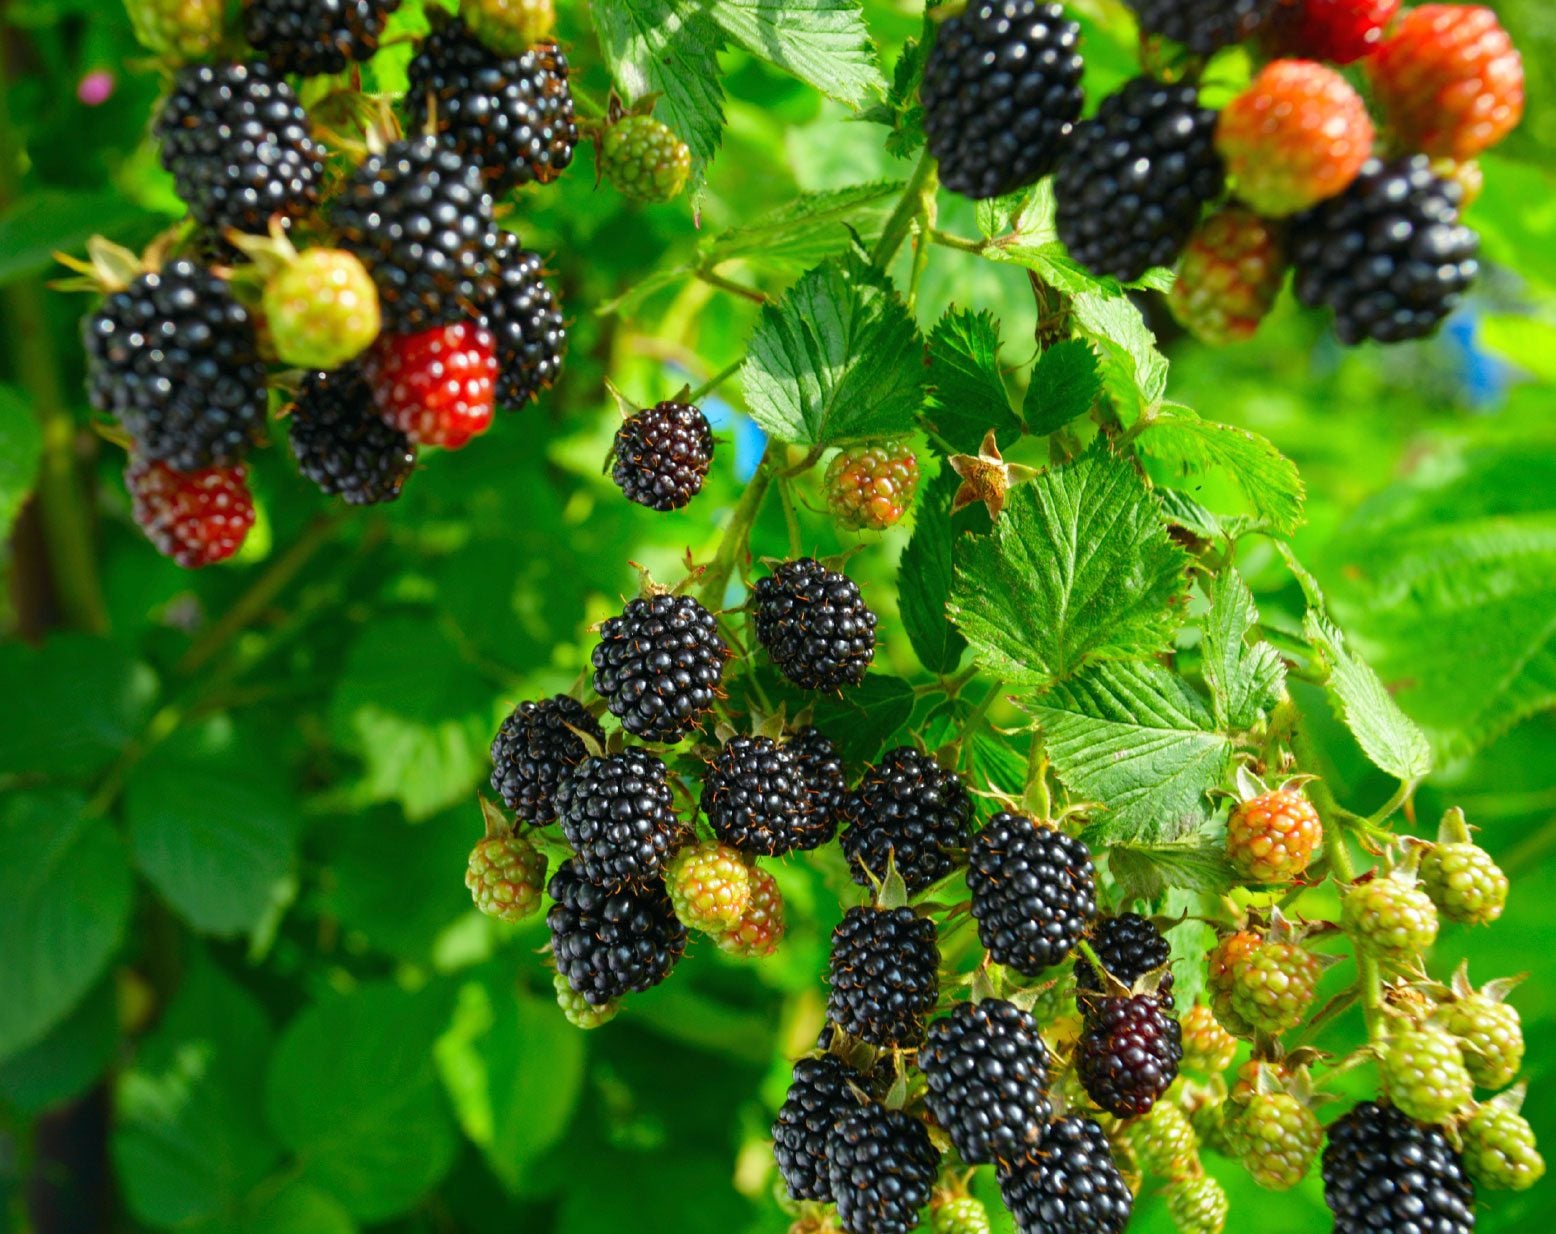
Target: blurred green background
(242, 986)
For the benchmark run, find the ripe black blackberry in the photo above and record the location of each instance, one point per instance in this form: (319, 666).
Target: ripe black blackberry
(910, 810)
(1136, 177)
(1203, 26)
(608, 943)
(818, 1097)
(237, 142)
(1128, 1054)
(1001, 92)
(884, 975)
(309, 37)
(175, 357)
(821, 771)
(658, 666)
(618, 813)
(420, 219)
(1033, 891)
(1071, 1185)
(1388, 255)
(756, 799)
(1129, 946)
(660, 456)
(815, 625)
(534, 747)
(881, 1165)
(1384, 1173)
(987, 1070)
(341, 442)
(526, 325)
(510, 115)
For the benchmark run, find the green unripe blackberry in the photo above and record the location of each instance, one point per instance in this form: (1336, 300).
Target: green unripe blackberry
(1390, 919)
(509, 26)
(710, 885)
(321, 310)
(578, 1010)
(1166, 1142)
(1273, 986)
(178, 29)
(1492, 1036)
(871, 487)
(1500, 1151)
(1278, 1139)
(1464, 882)
(1207, 1047)
(1197, 1205)
(1424, 1072)
(506, 877)
(644, 160)
(963, 1214)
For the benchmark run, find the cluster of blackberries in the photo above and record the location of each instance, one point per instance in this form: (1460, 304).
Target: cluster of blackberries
(410, 314)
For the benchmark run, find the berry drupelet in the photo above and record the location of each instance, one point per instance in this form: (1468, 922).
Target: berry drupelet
(658, 666)
(1129, 946)
(1001, 93)
(1033, 892)
(1203, 26)
(526, 322)
(818, 1097)
(661, 455)
(908, 811)
(1128, 1054)
(814, 625)
(881, 1165)
(756, 798)
(821, 771)
(534, 748)
(1383, 1172)
(237, 142)
(610, 943)
(1070, 1185)
(987, 1070)
(506, 875)
(309, 37)
(195, 517)
(884, 974)
(341, 442)
(1136, 177)
(618, 813)
(437, 385)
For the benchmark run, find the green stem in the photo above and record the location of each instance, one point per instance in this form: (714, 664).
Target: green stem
(790, 516)
(960, 243)
(738, 529)
(1402, 794)
(714, 382)
(919, 189)
(714, 279)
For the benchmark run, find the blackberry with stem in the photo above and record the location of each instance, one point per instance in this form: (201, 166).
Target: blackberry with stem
(1033, 892)
(608, 943)
(910, 811)
(534, 748)
(884, 974)
(659, 664)
(1129, 946)
(1128, 1054)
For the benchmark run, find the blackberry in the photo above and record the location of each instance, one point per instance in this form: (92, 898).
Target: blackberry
(821, 770)
(1203, 26)
(175, 357)
(756, 799)
(608, 943)
(658, 666)
(1388, 255)
(420, 219)
(1033, 892)
(881, 1165)
(818, 1097)
(341, 442)
(618, 813)
(1384, 1173)
(511, 116)
(534, 748)
(1128, 1054)
(526, 325)
(1001, 93)
(884, 975)
(237, 142)
(1136, 177)
(1129, 946)
(987, 1070)
(907, 811)
(1071, 1185)
(660, 456)
(815, 625)
(309, 37)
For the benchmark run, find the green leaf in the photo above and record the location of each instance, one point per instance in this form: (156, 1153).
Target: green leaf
(353, 1093)
(1065, 383)
(61, 1065)
(967, 394)
(1187, 445)
(1078, 568)
(1244, 679)
(1134, 372)
(21, 446)
(85, 699)
(65, 892)
(212, 827)
(1197, 863)
(1136, 739)
(924, 579)
(862, 720)
(296, 1208)
(837, 360)
(49, 221)
(824, 43)
(188, 1145)
(902, 112)
(807, 230)
(1390, 738)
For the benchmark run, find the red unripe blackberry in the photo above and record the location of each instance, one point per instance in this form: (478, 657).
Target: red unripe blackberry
(661, 455)
(1071, 1185)
(884, 974)
(756, 799)
(510, 116)
(175, 357)
(1339, 31)
(1033, 892)
(610, 943)
(1203, 26)
(818, 1097)
(195, 517)
(534, 748)
(907, 811)
(1001, 92)
(420, 219)
(526, 324)
(761, 926)
(1129, 946)
(309, 37)
(987, 1070)
(237, 142)
(1272, 837)
(882, 1166)
(341, 442)
(658, 666)
(1221, 968)
(1128, 1054)
(872, 487)
(1230, 276)
(814, 625)
(1383, 1172)
(1136, 178)
(437, 386)
(618, 813)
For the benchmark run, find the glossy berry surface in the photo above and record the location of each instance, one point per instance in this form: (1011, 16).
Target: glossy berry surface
(506, 876)
(195, 517)
(907, 812)
(819, 1095)
(884, 975)
(1383, 1172)
(618, 813)
(437, 386)
(881, 1164)
(658, 666)
(537, 744)
(661, 455)
(1071, 1185)
(987, 1071)
(815, 625)
(609, 943)
(760, 928)
(343, 444)
(309, 37)
(1033, 892)
(871, 488)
